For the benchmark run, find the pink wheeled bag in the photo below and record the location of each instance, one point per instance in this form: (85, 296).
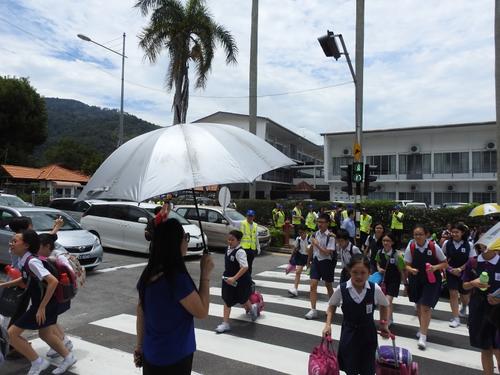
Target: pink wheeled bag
(393, 360)
(323, 360)
(257, 298)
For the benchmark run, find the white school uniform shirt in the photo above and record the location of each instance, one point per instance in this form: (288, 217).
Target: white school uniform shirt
(303, 244)
(35, 265)
(322, 238)
(439, 253)
(380, 298)
(241, 256)
(472, 252)
(345, 255)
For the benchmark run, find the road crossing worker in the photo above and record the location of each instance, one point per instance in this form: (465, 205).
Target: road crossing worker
(250, 240)
(311, 218)
(365, 226)
(278, 217)
(397, 226)
(297, 217)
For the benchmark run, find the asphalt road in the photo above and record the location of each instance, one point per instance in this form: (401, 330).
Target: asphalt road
(278, 344)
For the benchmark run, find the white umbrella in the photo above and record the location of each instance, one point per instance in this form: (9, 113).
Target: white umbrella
(180, 157)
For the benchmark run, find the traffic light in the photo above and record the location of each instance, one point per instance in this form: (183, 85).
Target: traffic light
(346, 176)
(369, 178)
(357, 173)
(329, 45)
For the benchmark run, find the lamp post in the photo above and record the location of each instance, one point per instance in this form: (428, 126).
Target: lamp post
(87, 39)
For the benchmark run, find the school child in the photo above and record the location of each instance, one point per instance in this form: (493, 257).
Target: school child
(322, 260)
(390, 263)
(483, 334)
(236, 283)
(346, 250)
(373, 244)
(300, 257)
(458, 251)
(47, 245)
(42, 313)
(358, 337)
(420, 290)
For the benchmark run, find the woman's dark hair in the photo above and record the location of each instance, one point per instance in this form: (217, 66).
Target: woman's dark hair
(31, 238)
(325, 217)
(423, 227)
(359, 258)
(342, 234)
(236, 234)
(165, 255)
(18, 224)
(383, 228)
(48, 239)
(390, 235)
(462, 228)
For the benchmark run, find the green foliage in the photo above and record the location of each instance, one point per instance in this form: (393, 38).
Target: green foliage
(73, 155)
(23, 120)
(41, 199)
(276, 237)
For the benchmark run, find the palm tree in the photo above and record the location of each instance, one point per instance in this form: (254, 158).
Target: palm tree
(188, 33)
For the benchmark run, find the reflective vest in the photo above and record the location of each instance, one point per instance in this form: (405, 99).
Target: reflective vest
(395, 223)
(333, 223)
(365, 223)
(279, 219)
(311, 220)
(345, 215)
(296, 212)
(249, 239)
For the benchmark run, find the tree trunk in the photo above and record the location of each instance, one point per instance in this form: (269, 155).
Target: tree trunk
(497, 90)
(177, 104)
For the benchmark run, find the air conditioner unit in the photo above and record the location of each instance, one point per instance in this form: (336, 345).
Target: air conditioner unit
(347, 151)
(490, 146)
(415, 149)
(379, 188)
(413, 187)
(450, 187)
(490, 187)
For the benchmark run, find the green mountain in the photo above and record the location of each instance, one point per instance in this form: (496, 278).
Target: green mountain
(93, 127)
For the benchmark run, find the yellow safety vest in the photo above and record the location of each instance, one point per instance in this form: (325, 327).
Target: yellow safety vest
(345, 215)
(311, 220)
(395, 223)
(333, 223)
(249, 239)
(279, 219)
(297, 212)
(365, 223)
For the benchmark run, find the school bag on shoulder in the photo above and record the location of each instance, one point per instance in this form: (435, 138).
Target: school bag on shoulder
(257, 298)
(431, 246)
(77, 271)
(323, 360)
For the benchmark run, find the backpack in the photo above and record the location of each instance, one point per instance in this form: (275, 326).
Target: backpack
(431, 247)
(257, 298)
(322, 360)
(77, 271)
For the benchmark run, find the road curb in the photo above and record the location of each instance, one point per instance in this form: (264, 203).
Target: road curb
(282, 250)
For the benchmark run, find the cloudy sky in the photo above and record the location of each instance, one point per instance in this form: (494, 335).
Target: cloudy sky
(426, 61)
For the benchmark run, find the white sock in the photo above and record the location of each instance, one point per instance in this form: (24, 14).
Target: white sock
(69, 357)
(66, 339)
(423, 337)
(37, 361)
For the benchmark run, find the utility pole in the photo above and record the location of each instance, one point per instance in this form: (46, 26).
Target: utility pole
(497, 90)
(360, 45)
(252, 110)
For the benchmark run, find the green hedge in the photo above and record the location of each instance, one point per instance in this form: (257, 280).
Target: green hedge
(380, 210)
(41, 199)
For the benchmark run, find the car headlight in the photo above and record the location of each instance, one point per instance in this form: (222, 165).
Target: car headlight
(96, 242)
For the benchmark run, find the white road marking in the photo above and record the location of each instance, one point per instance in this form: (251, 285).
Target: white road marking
(127, 266)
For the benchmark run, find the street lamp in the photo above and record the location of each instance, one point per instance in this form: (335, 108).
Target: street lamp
(87, 39)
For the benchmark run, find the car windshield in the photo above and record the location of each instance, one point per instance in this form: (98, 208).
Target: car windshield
(12, 201)
(171, 215)
(43, 221)
(234, 215)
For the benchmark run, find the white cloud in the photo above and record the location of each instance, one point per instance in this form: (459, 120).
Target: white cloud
(426, 62)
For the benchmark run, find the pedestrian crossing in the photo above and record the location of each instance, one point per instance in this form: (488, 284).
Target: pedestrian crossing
(279, 342)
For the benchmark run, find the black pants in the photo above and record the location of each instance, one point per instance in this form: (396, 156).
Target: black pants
(398, 233)
(362, 239)
(250, 258)
(183, 367)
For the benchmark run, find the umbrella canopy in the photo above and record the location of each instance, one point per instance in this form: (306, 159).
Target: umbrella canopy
(491, 239)
(179, 157)
(485, 209)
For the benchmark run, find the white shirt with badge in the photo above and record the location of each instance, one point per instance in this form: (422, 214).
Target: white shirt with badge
(35, 265)
(323, 238)
(458, 245)
(439, 253)
(347, 253)
(241, 256)
(379, 296)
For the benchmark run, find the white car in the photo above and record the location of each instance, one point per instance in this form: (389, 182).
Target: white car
(416, 205)
(121, 225)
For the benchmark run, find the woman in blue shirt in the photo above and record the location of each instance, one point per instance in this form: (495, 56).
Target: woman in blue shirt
(168, 301)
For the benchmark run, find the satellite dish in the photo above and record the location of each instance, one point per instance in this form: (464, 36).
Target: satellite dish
(224, 197)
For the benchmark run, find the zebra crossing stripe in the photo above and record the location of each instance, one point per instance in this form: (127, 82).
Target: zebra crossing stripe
(399, 319)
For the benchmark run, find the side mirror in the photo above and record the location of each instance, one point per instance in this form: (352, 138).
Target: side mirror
(224, 221)
(143, 220)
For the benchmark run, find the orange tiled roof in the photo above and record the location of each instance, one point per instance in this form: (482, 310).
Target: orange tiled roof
(51, 173)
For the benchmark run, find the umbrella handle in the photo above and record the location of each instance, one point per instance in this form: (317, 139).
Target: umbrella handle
(205, 248)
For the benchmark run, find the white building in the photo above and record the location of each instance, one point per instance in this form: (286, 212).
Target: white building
(432, 164)
(279, 183)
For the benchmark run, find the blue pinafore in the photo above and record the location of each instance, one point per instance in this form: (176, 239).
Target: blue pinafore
(456, 258)
(358, 338)
(420, 290)
(240, 293)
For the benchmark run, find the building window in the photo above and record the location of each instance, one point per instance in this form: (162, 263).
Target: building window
(486, 197)
(337, 162)
(484, 162)
(382, 195)
(415, 164)
(386, 164)
(451, 196)
(451, 162)
(417, 196)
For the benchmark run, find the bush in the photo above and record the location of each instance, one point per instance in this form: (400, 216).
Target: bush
(41, 199)
(276, 237)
